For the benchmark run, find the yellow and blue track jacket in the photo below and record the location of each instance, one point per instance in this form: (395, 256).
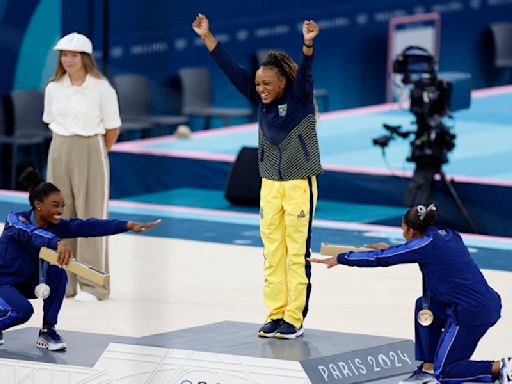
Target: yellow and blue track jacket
(21, 241)
(451, 275)
(287, 138)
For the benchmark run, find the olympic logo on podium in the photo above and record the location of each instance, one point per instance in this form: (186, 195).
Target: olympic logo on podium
(199, 377)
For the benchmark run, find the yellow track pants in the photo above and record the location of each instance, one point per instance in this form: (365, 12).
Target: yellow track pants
(286, 215)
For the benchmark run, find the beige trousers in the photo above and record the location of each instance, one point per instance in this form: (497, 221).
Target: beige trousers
(79, 167)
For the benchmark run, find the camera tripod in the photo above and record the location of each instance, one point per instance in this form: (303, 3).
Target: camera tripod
(421, 190)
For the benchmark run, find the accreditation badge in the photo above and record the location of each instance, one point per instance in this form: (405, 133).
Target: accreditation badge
(425, 317)
(282, 109)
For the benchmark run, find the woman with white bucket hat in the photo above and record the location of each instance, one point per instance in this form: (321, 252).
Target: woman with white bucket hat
(82, 111)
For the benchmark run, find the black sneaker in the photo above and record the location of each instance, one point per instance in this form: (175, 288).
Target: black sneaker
(269, 329)
(288, 331)
(51, 340)
(1, 338)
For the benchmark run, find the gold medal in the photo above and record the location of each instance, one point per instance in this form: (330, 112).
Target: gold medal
(425, 317)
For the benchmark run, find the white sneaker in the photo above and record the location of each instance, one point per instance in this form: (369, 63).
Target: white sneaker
(420, 378)
(85, 297)
(51, 340)
(506, 370)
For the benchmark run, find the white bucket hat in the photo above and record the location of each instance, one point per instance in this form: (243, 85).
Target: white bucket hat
(74, 42)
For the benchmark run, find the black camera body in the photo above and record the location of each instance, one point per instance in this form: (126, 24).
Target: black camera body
(430, 101)
(414, 61)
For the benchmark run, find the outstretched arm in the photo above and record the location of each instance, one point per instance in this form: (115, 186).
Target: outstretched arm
(328, 261)
(65, 253)
(201, 26)
(413, 251)
(333, 261)
(139, 227)
(70, 228)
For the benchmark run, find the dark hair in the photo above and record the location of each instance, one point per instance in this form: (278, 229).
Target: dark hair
(420, 217)
(38, 189)
(284, 65)
(287, 68)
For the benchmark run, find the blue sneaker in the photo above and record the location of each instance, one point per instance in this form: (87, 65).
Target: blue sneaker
(269, 329)
(50, 339)
(288, 331)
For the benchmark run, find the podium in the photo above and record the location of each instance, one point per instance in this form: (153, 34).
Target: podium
(223, 352)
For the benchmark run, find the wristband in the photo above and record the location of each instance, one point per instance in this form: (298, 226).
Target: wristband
(308, 46)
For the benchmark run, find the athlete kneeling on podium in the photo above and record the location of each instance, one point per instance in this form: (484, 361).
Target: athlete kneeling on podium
(456, 309)
(21, 270)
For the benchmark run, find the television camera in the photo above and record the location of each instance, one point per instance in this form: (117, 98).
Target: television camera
(431, 102)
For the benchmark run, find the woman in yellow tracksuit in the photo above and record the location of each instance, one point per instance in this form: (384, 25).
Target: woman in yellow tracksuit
(289, 160)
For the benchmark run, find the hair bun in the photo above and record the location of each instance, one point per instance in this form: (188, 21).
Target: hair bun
(30, 178)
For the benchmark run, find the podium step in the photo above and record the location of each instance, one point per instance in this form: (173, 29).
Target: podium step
(227, 351)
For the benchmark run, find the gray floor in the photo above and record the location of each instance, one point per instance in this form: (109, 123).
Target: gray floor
(84, 349)
(226, 337)
(236, 338)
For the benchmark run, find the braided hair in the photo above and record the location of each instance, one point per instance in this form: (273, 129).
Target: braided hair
(420, 218)
(283, 64)
(38, 189)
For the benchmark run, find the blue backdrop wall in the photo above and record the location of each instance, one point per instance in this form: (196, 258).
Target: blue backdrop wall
(28, 31)
(154, 37)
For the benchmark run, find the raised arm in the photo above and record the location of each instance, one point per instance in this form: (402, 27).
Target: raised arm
(304, 82)
(201, 26)
(239, 77)
(310, 30)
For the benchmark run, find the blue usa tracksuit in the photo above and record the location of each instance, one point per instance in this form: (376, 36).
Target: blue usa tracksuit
(20, 243)
(463, 304)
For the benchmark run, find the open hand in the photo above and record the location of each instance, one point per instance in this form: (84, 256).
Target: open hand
(139, 227)
(329, 261)
(377, 246)
(201, 25)
(310, 29)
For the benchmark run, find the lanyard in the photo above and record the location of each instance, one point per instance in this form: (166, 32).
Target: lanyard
(426, 295)
(43, 267)
(43, 264)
